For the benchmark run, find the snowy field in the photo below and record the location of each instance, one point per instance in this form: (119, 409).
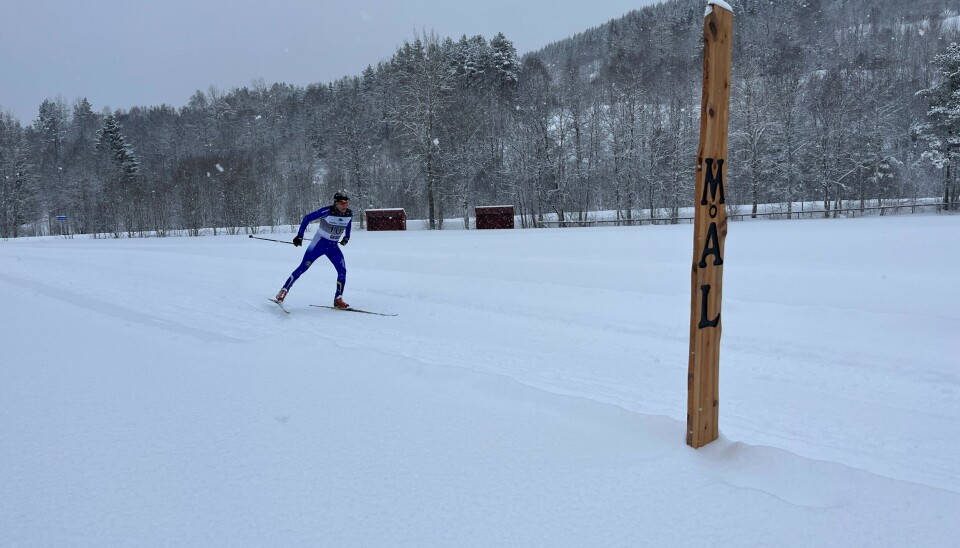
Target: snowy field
(531, 391)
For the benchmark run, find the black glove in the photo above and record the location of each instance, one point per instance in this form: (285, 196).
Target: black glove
(344, 241)
(297, 240)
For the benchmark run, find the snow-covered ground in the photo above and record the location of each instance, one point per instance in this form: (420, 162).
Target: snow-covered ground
(531, 391)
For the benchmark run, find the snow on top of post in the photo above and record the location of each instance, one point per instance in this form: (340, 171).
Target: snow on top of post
(720, 4)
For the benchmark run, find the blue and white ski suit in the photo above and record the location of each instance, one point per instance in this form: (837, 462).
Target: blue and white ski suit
(333, 225)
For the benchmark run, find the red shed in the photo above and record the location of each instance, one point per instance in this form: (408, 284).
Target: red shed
(386, 219)
(500, 216)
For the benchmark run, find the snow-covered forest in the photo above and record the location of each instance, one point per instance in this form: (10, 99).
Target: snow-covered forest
(844, 102)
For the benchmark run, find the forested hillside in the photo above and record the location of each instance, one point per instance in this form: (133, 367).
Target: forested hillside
(845, 102)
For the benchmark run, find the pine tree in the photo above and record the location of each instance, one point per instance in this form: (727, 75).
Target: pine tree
(505, 62)
(110, 139)
(18, 192)
(47, 136)
(119, 170)
(81, 188)
(942, 131)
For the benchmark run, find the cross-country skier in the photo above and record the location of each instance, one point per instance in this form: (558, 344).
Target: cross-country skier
(335, 221)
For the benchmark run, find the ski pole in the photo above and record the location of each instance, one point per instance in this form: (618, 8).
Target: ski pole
(269, 239)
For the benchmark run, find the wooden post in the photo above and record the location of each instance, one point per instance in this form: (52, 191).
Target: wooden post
(710, 228)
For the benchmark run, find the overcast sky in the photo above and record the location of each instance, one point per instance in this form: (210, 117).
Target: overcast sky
(124, 53)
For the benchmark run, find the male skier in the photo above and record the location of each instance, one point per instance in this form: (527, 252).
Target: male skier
(335, 221)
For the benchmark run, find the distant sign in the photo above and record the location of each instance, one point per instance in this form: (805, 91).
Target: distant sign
(61, 218)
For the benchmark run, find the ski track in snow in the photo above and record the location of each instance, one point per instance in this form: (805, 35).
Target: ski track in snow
(102, 306)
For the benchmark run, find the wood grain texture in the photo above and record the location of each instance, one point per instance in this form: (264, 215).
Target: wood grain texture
(710, 231)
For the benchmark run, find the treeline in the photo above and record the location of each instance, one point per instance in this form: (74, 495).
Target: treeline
(841, 101)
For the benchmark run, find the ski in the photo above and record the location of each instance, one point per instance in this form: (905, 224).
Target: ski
(278, 303)
(351, 309)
